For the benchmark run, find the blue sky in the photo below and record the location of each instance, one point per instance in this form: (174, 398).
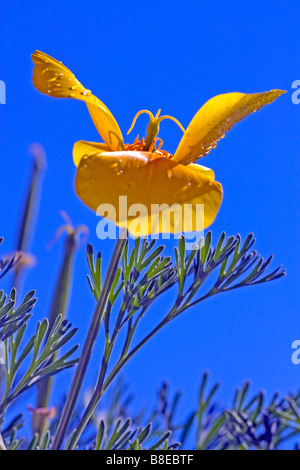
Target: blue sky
(174, 56)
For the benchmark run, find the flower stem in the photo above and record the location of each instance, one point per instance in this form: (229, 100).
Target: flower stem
(30, 211)
(59, 305)
(2, 445)
(102, 385)
(88, 345)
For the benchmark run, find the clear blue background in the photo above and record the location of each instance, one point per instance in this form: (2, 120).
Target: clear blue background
(171, 55)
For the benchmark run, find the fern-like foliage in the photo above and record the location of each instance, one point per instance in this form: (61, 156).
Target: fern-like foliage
(8, 262)
(145, 273)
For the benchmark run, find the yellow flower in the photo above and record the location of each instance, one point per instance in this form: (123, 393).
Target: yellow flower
(142, 171)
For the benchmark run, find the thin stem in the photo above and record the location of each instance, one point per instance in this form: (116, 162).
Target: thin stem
(59, 305)
(98, 389)
(96, 396)
(89, 344)
(2, 445)
(8, 375)
(121, 363)
(102, 386)
(30, 211)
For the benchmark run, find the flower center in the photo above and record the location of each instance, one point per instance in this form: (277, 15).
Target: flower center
(139, 145)
(153, 129)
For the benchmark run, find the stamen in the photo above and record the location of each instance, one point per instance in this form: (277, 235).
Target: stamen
(153, 127)
(139, 145)
(160, 143)
(152, 146)
(172, 119)
(143, 111)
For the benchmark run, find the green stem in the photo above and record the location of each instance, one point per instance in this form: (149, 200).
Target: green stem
(121, 363)
(60, 301)
(59, 305)
(102, 386)
(7, 372)
(2, 445)
(30, 211)
(88, 345)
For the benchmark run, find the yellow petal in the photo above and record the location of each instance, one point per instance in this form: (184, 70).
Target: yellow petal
(83, 148)
(103, 178)
(216, 117)
(208, 172)
(52, 78)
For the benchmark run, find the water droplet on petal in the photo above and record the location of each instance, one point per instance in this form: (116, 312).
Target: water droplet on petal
(86, 92)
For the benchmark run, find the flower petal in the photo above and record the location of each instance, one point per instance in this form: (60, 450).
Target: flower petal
(217, 116)
(102, 179)
(52, 78)
(83, 148)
